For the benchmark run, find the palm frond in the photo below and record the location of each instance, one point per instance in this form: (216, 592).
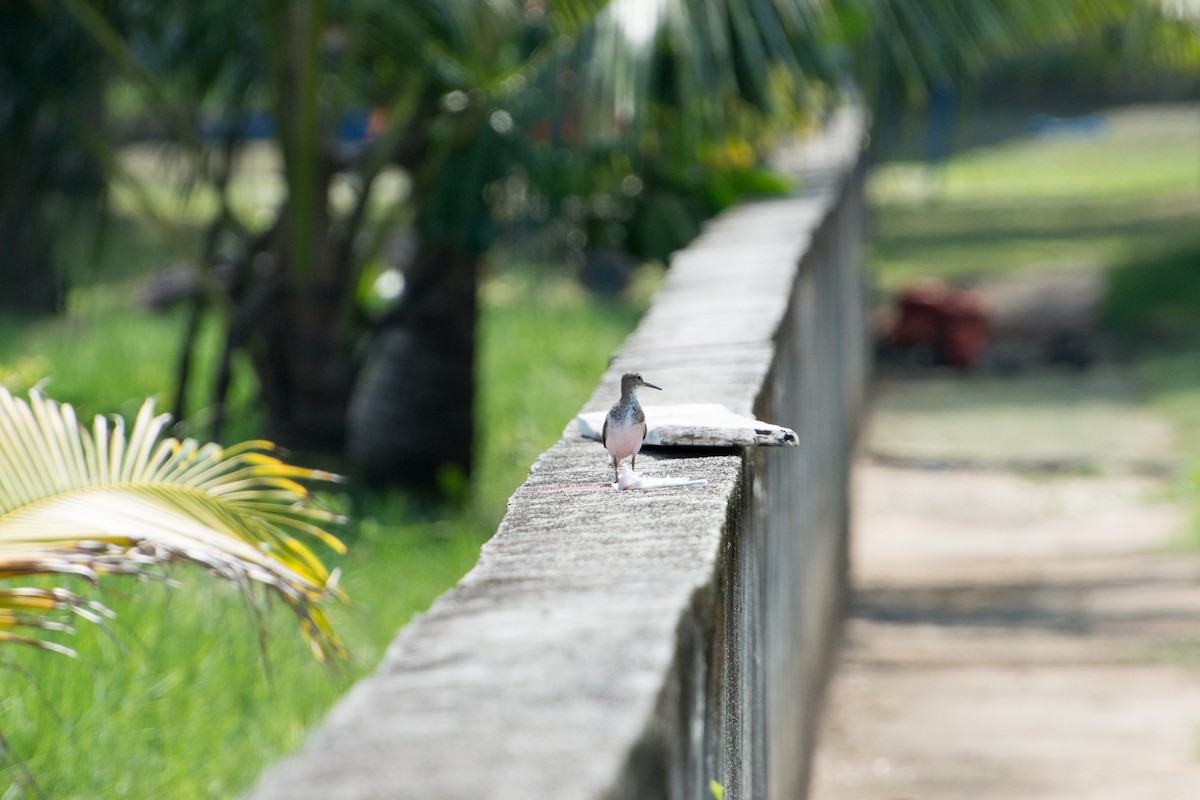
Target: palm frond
(107, 501)
(918, 44)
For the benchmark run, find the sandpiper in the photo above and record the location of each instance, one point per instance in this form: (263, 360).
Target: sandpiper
(625, 425)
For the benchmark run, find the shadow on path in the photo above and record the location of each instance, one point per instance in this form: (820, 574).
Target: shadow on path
(1014, 635)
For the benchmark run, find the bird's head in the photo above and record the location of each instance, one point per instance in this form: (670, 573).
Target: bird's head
(633, 380)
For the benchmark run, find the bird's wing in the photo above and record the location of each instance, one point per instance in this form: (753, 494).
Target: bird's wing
(644, 429)
(604, 432)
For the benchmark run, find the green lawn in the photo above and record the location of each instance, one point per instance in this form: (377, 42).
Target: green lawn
(1129, 191)
(174, 700)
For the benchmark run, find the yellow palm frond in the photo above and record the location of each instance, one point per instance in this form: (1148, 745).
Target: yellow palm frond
(104, 501)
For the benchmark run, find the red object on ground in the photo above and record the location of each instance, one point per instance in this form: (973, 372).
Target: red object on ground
(952, 322)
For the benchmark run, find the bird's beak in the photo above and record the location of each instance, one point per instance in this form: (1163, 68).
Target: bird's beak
(651, 386)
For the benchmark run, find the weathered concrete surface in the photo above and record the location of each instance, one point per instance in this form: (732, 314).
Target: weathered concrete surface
(1017, 635)
(640, 644)
(534, 675)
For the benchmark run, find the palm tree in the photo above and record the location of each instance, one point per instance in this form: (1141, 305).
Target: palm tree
(83, 503)
(291, 305)
(435, 69)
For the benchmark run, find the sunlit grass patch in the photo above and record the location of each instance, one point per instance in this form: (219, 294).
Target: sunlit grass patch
(1131, 189)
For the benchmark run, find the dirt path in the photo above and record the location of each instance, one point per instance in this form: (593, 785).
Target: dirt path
(1014, 637)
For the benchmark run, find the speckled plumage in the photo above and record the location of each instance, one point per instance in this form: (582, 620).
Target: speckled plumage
(625, 426)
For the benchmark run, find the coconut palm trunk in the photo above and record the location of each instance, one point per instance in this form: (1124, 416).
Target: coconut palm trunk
(46, 178)
(304, 368)
(411, 414)
(31, 282)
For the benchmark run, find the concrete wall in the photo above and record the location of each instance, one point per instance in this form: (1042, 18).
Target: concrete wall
(641, 644)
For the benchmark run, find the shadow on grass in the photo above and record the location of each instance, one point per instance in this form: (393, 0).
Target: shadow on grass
(1153, 304)
(985, 224)
(1152, 315)
(963, 240)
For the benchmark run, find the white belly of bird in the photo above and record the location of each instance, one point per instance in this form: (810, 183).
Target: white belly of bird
(623, 442)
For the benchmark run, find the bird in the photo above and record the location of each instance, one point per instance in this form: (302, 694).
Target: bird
(625, 426)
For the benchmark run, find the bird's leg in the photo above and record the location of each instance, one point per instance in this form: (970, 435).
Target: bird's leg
(633, 463)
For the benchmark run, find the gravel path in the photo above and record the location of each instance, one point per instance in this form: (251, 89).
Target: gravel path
(1014, 636)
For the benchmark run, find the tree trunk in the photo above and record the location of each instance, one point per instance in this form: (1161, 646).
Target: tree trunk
(29, 281)
(303, 363)
(411, 415)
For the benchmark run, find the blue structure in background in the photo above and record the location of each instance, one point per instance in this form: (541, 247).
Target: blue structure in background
(354, 128)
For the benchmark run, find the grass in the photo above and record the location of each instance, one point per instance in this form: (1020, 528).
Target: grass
(1129, 191)
(175, 700)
